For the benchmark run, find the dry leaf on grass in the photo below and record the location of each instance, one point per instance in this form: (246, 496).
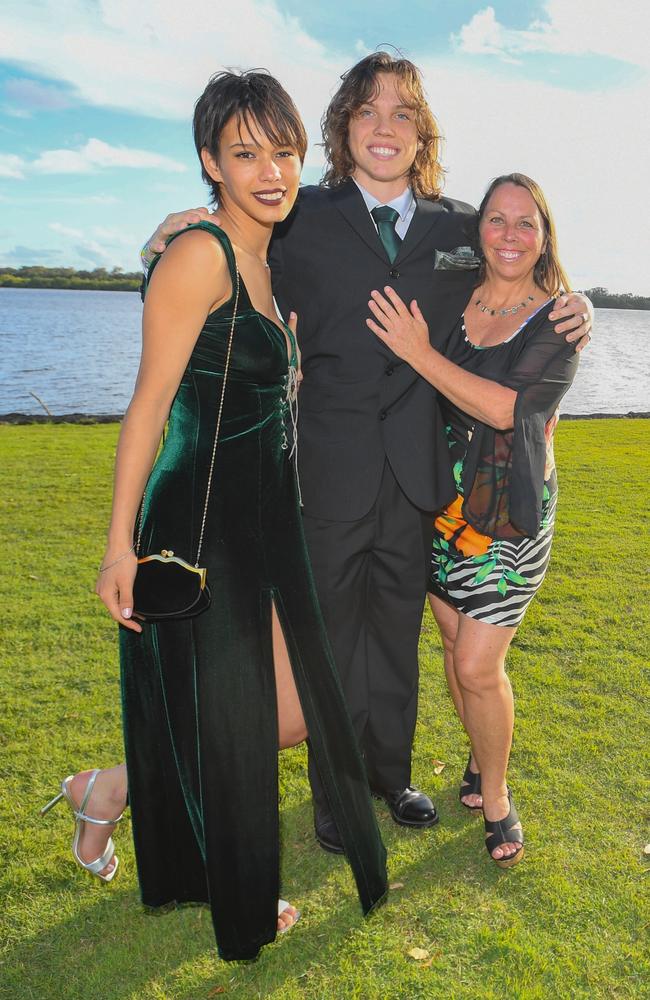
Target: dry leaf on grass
(646, 849)
(438, 766)
(419, 954)
(216, 991)
(396, 885)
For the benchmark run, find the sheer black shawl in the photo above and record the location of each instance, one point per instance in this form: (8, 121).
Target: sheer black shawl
(503, 472)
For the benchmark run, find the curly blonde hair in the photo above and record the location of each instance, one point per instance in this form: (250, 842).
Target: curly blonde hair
(359, 86)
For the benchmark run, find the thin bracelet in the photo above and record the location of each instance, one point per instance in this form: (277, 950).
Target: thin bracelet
(147, 256)
(102, 569)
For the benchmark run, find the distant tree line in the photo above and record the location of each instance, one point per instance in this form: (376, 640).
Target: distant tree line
(602, 299)
(115, 280)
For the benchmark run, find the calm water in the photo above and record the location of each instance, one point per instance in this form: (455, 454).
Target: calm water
(79, 352)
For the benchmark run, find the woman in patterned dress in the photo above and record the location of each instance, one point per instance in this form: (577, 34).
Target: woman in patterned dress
(502, 376)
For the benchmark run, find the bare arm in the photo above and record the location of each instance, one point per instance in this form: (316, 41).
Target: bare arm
(186, 285)
(407, 335)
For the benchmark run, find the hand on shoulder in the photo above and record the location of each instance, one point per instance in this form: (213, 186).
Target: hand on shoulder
(574, 315)
(174, 223)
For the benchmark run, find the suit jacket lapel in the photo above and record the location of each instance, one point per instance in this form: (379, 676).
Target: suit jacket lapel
(350, 203)
(427, 214)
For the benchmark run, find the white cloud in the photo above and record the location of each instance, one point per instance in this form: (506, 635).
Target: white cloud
(95, 253)
(14, 112)
(581, 27)
(97, 154)
(156, 56)
(100, 245)
(19, 256)
(82, 199)
(589, 149)
(483, 35)
(116, 237)
(58, 227)
(30, 95)
(11, 166)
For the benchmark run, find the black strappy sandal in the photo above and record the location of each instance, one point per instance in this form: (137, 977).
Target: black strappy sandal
(499, 832)
(471, 785)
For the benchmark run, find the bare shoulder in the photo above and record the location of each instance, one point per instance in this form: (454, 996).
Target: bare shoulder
(195, 261)
(192, 248)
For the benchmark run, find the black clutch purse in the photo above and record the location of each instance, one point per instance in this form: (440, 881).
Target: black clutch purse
(167, 587)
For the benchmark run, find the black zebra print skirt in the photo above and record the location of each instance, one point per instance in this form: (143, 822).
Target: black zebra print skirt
(497, 585)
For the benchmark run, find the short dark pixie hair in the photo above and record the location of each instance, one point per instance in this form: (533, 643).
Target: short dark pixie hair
(253, 95)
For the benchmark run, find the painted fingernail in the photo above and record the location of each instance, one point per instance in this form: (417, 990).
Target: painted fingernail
(126, 612)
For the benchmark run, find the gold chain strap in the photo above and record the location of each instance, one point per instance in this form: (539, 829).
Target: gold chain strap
(216, 433)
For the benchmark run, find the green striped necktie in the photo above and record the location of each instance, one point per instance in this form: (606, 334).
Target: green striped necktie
(386, 217)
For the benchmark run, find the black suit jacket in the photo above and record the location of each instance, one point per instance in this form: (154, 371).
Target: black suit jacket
(359, 404)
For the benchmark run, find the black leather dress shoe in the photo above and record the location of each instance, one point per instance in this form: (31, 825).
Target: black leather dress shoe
(409, 806)
(327, 834)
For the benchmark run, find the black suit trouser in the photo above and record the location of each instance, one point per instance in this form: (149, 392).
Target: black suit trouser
(371, 576)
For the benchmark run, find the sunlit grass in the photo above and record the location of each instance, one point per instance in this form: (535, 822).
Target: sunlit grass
(568, 922)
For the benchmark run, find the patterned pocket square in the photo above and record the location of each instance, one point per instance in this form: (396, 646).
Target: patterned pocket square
(459, 259)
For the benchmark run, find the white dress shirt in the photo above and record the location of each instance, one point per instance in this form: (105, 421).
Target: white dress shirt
(405, 204)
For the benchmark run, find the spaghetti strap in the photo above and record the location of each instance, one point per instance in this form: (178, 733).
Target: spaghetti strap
(222, 237)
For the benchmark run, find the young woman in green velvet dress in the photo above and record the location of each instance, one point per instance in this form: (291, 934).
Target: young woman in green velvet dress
(208, 701)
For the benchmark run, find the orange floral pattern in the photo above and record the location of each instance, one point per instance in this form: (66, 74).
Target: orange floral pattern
(452, 526)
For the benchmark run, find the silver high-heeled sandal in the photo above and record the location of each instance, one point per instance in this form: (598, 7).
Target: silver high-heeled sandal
(282, 906)
(94, 867)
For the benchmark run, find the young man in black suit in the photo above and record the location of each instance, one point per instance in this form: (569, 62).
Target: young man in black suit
(372, 452)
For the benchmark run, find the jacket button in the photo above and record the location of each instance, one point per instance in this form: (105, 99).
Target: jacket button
(394, 273)
(383, 414)
(389, 370)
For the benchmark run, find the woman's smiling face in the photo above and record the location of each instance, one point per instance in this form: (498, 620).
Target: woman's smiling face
(254, 174)
(512, 232)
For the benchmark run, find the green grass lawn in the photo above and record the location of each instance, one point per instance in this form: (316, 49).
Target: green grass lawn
(569, 922)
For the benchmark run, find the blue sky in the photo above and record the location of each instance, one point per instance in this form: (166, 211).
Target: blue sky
(96, 100)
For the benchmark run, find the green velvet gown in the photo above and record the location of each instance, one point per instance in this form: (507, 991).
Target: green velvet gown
(199, 700)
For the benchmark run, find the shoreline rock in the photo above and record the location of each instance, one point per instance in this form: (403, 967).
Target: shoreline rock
(64, 418)
(115, 418)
